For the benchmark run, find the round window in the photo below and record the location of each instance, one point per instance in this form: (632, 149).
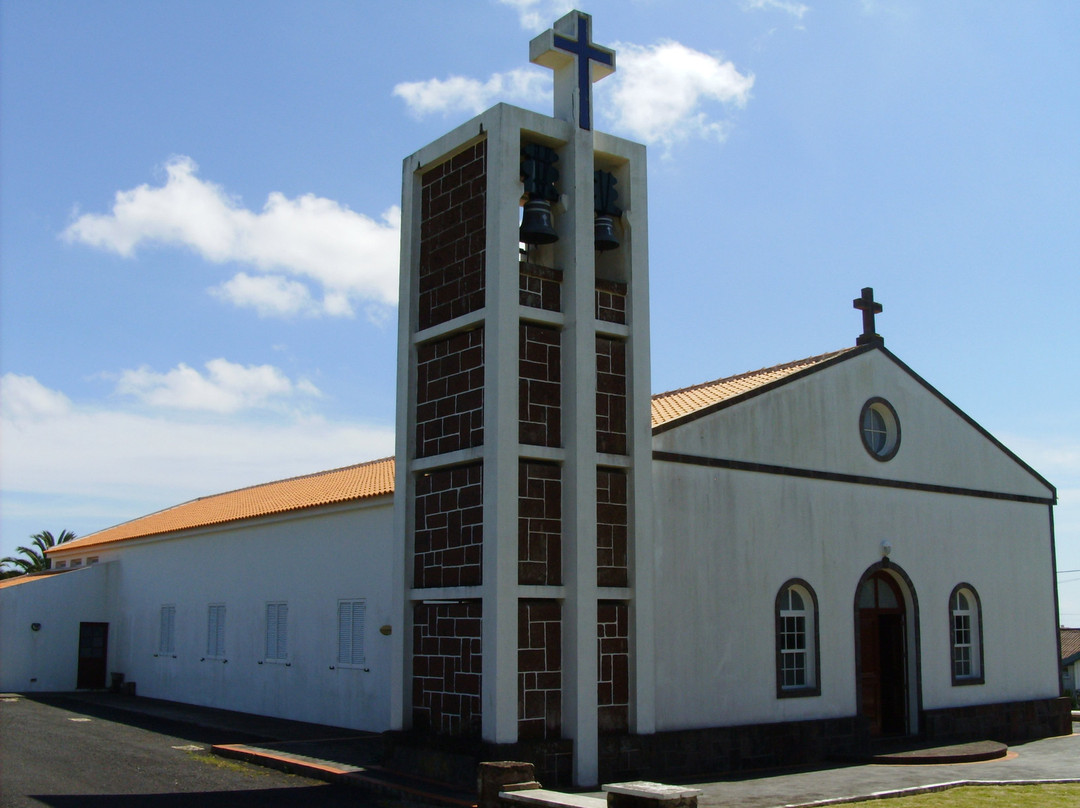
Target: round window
(880, 429)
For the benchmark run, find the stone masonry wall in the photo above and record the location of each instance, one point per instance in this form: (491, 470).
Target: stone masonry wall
(539, 669)
(610, 301)
(450, 393)
(539, 386)
(452, 237)
(610, 395)
(447, 664)
(540, 287)
(539, 523)
(449, 529)
(613, 673)
(611, 528)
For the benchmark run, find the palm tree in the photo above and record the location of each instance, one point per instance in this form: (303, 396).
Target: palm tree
(36, 560)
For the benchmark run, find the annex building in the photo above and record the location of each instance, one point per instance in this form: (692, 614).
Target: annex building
(561, 567)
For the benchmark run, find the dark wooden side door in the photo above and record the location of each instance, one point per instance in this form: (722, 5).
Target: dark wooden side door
(893, 674)
(93, 655)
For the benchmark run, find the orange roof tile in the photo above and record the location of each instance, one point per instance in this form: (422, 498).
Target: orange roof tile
(25, 579)
(372, 479)
(667, 407)
(376, 478)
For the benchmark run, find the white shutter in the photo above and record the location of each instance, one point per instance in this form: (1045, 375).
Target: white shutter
(215, 632)
(167, 635)
(277, 621)
(351, 632)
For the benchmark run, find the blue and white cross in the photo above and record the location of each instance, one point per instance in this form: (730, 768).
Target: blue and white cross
(567, 48)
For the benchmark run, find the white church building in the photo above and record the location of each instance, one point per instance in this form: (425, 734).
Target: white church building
(559, 566)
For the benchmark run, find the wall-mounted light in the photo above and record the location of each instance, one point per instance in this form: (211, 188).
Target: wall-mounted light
(886, 548)
(35, 626)
(386, 630)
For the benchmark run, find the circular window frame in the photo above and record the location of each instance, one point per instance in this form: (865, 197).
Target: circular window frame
(891, 421)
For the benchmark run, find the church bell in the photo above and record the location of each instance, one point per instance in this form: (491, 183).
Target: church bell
(536, 227)
(604, 232)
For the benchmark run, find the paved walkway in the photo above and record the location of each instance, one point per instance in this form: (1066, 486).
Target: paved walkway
(349, 756)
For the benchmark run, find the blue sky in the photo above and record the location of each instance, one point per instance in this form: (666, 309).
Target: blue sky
(198, 218)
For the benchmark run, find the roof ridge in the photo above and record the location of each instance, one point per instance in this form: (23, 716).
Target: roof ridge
(747, 374)
(276, 482)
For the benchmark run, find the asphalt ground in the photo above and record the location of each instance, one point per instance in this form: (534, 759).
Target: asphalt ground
(119, 765)
(76, 753)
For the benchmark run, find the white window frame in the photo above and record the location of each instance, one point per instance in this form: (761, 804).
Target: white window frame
(352, 619)
(277, 631)
(797, 660)
(965, 636)
(167, 631)
(215, 631)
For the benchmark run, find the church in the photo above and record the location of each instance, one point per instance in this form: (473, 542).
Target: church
(559, 566)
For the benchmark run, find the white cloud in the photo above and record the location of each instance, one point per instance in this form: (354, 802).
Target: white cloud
(125, 464)
(25, 398)
(226, 387)
(797, 10)
(352, 257)
(660, 94)
(537, 15)
(461, 94)
(664, 89)
(269, 295)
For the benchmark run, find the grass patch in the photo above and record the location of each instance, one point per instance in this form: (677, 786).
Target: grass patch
(1051, 795)
(227, 763)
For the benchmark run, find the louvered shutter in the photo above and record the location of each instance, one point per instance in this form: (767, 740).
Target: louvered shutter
(215, 632)
(277, 620)
(351, 632)
(166, 638)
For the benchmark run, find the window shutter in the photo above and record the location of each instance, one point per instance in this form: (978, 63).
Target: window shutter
(215, 632)
(351, 632)
(277, 620)
(167, 634)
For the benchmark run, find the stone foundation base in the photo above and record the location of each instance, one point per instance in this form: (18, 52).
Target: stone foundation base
(698, 753)
(688, 754)
(1008, 722)
(454, 760)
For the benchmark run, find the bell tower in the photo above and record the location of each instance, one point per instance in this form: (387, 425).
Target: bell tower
(523, 491)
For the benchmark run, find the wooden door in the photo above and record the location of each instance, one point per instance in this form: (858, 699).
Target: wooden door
(882, 673)
(892, 674)
(869, 672)
(93, 656)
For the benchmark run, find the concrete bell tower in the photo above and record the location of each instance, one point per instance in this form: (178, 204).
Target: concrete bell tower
(522, 514)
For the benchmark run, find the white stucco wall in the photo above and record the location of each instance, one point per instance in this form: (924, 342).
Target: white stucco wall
(309, 560)
(812, 423)
(47, 660)
(728, 540)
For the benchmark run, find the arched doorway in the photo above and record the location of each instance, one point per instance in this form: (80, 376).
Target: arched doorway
(884, 674)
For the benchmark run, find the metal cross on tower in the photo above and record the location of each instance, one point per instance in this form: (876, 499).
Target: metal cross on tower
(567, 48)
(869, 307)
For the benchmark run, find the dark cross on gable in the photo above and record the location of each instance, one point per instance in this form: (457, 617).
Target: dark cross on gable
(869, 307)
(567, 48)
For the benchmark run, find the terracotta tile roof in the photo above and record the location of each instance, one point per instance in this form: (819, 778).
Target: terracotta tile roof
(376, 478)
(667, 407)
(372, 479)
(1070, 643)
(25, 579)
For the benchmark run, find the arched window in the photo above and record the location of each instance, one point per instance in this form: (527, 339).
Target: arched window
(965, 635)
(797, 662)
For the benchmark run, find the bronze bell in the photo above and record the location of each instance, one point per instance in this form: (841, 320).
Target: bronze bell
(604, 232)
(536, 223)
